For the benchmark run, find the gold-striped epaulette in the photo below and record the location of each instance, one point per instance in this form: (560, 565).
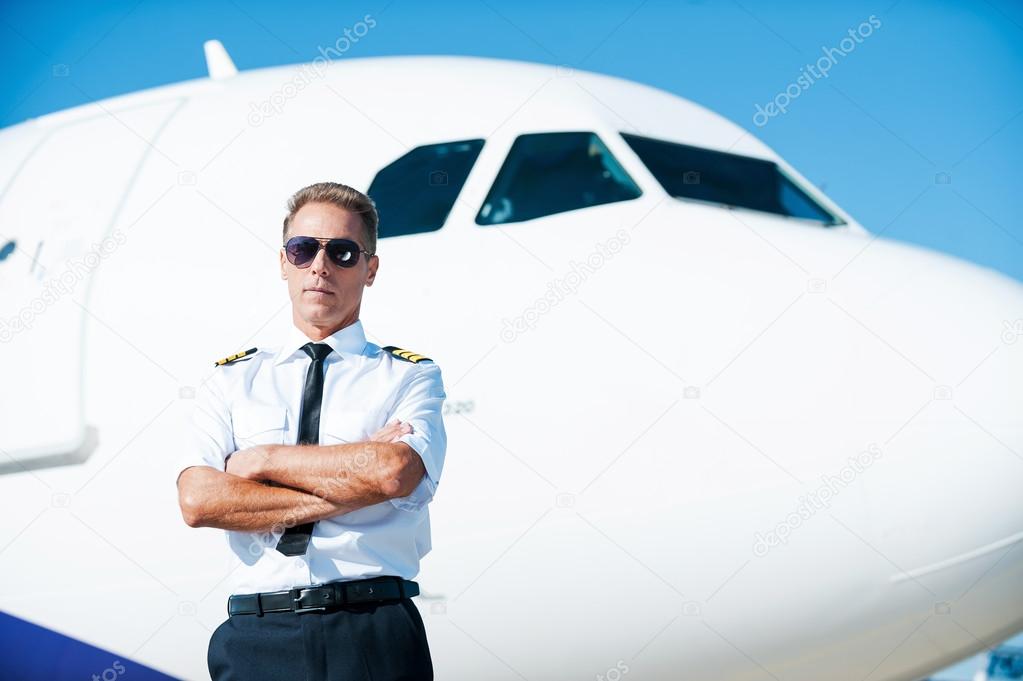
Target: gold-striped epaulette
(234, 358)
(406, 355)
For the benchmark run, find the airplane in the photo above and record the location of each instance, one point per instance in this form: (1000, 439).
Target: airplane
(702, 423)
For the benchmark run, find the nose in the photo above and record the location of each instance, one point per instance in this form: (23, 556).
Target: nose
(321, 263)
(945, 505)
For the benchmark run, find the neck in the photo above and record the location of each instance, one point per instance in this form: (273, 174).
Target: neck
(317, 332)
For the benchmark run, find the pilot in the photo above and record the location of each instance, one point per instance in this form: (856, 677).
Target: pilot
(319, 458)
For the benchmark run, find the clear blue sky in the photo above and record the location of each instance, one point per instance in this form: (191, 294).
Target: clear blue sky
(935, 88)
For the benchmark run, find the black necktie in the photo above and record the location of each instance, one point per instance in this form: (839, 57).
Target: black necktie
(295, 539)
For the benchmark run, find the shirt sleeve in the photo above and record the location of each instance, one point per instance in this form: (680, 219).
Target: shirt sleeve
(420, 405)
(210, 438)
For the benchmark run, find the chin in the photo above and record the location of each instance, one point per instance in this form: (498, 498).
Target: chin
(321, 314)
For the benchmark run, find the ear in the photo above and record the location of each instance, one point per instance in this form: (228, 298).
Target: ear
(284, 262)
(371, 273)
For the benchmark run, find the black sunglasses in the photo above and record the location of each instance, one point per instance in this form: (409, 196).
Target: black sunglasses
(301, 250)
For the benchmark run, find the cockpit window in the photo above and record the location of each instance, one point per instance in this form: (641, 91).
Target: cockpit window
(416, 192)
(693, 173)
(554, 172)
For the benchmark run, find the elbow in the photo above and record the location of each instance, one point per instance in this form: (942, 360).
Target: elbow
(191, 514)
(190, 502)
(191, 510)
(402, 475)
(392, 488)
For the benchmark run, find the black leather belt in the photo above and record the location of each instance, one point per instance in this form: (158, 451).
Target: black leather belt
(329, 596)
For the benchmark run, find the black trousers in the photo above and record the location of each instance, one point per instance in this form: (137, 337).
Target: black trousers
(382, 641)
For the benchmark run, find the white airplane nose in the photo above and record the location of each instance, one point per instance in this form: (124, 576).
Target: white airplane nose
(944, 502)
(916, 561)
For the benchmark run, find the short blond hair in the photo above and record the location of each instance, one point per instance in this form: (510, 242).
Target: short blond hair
(342, 196)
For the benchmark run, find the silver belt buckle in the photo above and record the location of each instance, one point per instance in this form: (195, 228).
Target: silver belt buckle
(311, 599)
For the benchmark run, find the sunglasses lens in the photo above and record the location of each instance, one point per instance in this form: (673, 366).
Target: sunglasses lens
(301, 250)
(343, 253)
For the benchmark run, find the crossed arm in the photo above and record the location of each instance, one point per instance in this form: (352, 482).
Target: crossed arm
(274, 486)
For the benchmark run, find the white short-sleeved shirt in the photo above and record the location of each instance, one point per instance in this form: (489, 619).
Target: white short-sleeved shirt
(257, 400)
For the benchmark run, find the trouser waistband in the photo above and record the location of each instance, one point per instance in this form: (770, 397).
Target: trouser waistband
(320, 597)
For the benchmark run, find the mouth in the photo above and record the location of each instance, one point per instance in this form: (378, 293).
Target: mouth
(316, 289)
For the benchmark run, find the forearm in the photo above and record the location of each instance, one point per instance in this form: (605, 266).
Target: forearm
(213, 498)
(361, 473)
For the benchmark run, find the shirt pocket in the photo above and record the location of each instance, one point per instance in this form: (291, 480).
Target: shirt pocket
(259, 424)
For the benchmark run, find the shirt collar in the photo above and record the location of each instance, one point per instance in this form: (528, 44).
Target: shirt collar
(350, 340)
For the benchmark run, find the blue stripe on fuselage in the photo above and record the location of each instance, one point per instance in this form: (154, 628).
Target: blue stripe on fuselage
(29, 652)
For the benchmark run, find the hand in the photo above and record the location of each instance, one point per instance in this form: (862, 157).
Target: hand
(249, 463)
(392, 432)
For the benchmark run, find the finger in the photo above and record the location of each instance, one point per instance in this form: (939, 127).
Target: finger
(389, 431)
(405, 430)
(386, 429)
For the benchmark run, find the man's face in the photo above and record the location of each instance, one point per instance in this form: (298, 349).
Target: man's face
(323, 294)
